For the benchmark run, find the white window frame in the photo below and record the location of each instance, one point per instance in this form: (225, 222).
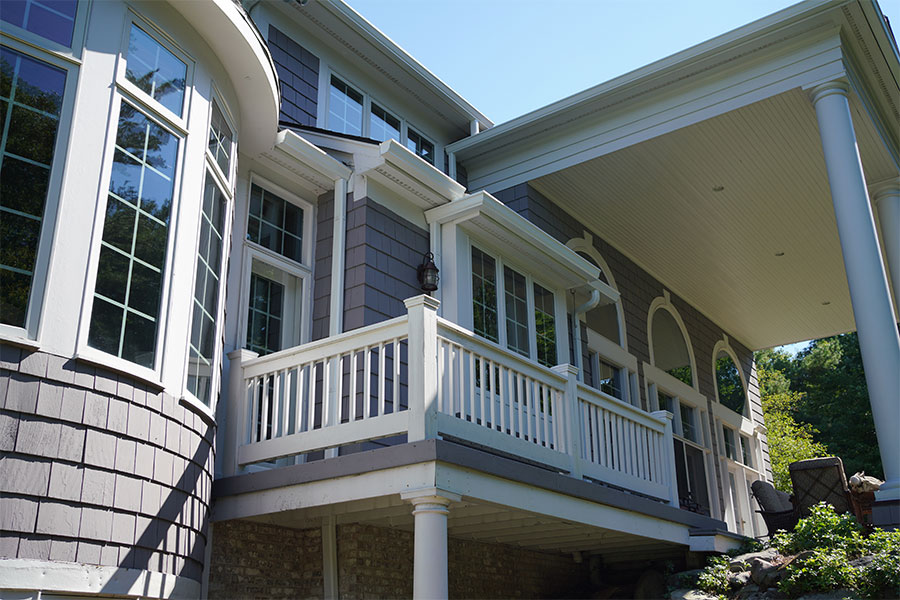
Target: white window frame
(664, 302)
(253, 252)
(368, 99)
(724, 346)
(499, 263)
(30, 335)
(33, 40)
(226, 183)
(177, 125)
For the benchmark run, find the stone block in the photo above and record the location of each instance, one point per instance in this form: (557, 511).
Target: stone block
(72, 407)
(63, 550)
(65, 481)
(123, 528)
(33, 363)
(22, 393)
(128, 493)
(96, 407)
(9, 426)
(34, 548)
(49, 401)
(38, 437)
(18, 514)
(20, 475)
(125, 452)
(96, 524)
(58, 518)
(99, 449)
(71, 442)
(138, 422)
(98, 487)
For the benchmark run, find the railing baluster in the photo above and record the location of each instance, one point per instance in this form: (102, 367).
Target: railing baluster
(469, 405)
(298, 401)
(275, 403)
(546, 396)
(445, 371)
(381, 378)
(367, 382)
(252, 405)
(264, 425)
(520, 403)
(483, 390)
(529, 407)
(504, 394)
(492, 369)
(396, 386)
(286, 410)
(353, 413)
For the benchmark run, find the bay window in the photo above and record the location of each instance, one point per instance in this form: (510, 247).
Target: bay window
(527, 309)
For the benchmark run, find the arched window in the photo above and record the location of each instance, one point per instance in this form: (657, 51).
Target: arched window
(729, 385)
(669, 348)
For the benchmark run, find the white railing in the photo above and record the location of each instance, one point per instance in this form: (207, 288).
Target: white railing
(425, 377)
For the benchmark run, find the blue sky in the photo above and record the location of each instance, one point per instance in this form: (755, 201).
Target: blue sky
(509, 57)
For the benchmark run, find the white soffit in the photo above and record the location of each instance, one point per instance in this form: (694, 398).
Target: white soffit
(718, 250)
(400, 170)
(554, 261)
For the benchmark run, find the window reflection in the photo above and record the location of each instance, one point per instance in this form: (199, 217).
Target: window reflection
(31, 94)
(155, 70)
(51, 19)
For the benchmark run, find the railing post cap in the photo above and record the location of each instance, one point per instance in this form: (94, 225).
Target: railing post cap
(422, 300)
(663, 414)
(565, 369)
(430, 495)
(242, 354)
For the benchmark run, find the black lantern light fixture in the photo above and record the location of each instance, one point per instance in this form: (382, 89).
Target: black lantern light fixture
(428, 273)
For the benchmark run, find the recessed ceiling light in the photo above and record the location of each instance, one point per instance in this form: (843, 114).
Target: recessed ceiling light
(826, 302)
(779, 254)
(718, 188)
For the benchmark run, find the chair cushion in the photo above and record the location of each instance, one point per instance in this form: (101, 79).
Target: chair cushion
(770, 499)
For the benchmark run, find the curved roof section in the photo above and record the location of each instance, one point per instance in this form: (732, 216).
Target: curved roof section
(228, 31)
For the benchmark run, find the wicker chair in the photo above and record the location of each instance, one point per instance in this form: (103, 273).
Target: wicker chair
(820, 480)
(777, 509)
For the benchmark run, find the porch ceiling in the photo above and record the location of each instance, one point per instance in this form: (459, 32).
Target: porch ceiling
(721, 250)
(487, 523)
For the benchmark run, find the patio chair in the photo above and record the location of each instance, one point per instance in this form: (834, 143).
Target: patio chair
(820, 480)
(777, 508)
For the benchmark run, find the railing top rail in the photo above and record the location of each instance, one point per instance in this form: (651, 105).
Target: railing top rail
(455, 333)
(595, 396)
(330, 346)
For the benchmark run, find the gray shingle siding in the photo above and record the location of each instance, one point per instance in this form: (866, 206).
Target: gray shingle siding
(638, 290)
(84, 451)
(382, 252)
(322, 267)
(298, 72)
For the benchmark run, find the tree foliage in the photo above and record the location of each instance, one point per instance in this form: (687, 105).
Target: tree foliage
(816, 404)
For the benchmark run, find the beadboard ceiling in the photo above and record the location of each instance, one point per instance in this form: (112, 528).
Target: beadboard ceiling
(656, 202)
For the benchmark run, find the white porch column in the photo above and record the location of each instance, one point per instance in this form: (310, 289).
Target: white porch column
(431, 507)
(887, 202)
(879, 341)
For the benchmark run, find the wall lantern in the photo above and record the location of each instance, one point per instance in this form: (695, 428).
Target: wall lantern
(428, 273)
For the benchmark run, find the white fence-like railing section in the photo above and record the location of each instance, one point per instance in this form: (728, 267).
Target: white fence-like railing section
(424, 377)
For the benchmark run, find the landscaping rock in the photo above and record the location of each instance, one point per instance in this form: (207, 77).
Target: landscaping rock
(768, 554)
(739, 579)
(650, 585)
(761, 570)
(691, 595)
(832, 595)
(684, 579)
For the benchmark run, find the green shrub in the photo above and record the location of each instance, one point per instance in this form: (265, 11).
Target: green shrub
(881, 577)
(826, 569)
(823, 528)
(714, 578)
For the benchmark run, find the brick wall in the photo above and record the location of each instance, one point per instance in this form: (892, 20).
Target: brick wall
(382, 253)
(298, 72)
(374, 562)
(638, 290)
(254, 560)
(98, 469)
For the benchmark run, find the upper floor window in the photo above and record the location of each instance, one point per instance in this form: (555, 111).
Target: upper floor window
(345, 108)
(356, 113)
(527, 310)
(31, 100)
(50, 19)
(155, 70)
(729, 385)
(730, 446)
(221, 141)
(746, 451)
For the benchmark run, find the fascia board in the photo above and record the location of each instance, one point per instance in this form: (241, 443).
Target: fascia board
(566, 266)
(403, 59)
(648, 76)
(415, 179)
(311, 156)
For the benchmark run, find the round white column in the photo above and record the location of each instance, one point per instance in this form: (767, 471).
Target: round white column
(879, 341)
(887, 202)
(431, 507)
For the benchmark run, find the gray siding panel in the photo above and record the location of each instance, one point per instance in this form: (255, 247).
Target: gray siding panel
(322, 267)
(298, 72)
(81, 455)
